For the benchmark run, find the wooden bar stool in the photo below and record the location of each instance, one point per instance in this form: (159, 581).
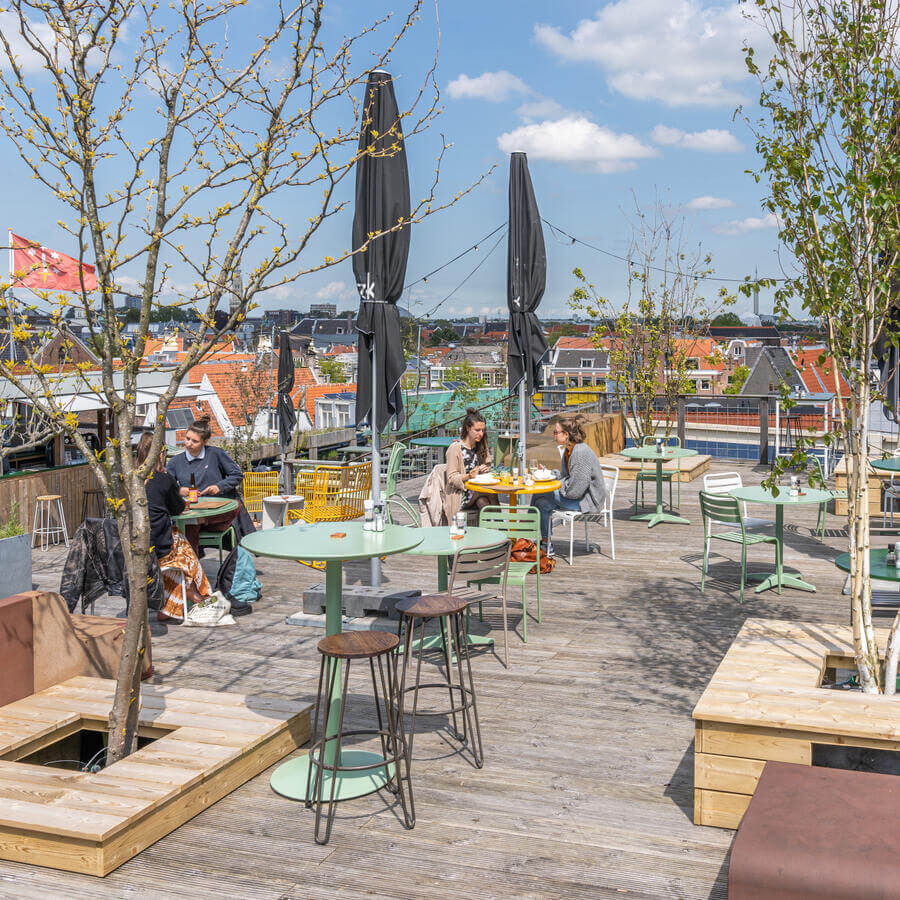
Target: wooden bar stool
(46, 508)
(338, 650)
(93, 497)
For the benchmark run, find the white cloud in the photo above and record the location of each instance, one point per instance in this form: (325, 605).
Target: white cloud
(708, 202)
(492, 86)
(676, 52)
(335, 290)
(542, 108)
(751, 223)
(577, 141)
(713, 140)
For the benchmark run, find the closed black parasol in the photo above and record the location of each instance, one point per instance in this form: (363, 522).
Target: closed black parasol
(526, 276)
(382, 200)
(287, 417)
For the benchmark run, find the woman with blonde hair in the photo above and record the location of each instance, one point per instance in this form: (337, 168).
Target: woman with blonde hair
(583, 488)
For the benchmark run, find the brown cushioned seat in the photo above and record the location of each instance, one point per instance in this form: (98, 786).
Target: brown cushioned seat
(817, 832)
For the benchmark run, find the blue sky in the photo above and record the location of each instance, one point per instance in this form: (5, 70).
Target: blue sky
(611, 101)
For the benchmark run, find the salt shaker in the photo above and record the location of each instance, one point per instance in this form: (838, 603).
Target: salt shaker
(369, 515)
(379, 518)
(659, 445)
(515, 474)
(461, 523)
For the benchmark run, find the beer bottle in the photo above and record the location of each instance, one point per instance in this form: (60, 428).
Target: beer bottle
(193, 494)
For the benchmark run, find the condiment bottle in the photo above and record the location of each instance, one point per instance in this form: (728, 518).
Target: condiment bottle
(193, 493)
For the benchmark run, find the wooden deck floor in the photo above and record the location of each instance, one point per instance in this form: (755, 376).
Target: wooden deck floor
(588, 778)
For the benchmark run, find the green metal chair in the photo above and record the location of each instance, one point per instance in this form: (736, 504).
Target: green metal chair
(402, 503)
(722, 510)
(391, 497)
(836, 494)
(519, 522)
(217, 539)
(649, 475)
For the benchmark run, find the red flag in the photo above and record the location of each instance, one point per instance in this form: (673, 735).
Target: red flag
(42, 269)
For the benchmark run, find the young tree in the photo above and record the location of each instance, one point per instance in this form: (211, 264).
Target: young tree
(168, 138)
(652, 337)
(333, 369)
(252, 385)
(829, 142)
(466, 383)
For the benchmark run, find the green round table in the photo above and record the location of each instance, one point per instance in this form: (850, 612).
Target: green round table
(437, 541)
(200, 512)
(886, 465)
(433, 442)
(757, 494)
(878, 568)
(315, 542)
(648, 453)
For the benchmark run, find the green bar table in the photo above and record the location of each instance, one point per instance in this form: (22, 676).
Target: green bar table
(205, 508)
(756, 494)
(648, 453)
(320, 542)
(438, 541)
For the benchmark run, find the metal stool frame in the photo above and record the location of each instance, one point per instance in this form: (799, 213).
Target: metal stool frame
(392, 738)
(42, 523)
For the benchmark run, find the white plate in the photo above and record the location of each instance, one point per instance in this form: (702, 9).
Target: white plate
(482, 479)
(548, 476)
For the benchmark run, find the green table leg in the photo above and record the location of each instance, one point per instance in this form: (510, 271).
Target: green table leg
(655, 518)
(434, 640)
(779, 579)
(290, 779)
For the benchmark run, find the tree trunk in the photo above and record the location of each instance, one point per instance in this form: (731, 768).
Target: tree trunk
(857, 452)
(134, 531)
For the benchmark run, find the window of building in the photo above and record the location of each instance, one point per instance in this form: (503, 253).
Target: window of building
(587, 364)
(178, 418)
(704, 384)
(692, 362)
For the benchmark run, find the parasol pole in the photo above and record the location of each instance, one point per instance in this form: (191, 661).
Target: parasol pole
(376, 462)
(522, 426)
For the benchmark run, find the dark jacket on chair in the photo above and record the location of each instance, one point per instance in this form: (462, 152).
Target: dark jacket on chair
(95, 565)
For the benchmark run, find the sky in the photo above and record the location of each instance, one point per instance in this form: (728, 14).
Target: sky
(615, 104)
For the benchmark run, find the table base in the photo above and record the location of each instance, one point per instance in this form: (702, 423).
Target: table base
(290, 779)
(767, 582)
(655, 518)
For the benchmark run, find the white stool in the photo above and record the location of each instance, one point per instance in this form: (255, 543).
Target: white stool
(44, 526)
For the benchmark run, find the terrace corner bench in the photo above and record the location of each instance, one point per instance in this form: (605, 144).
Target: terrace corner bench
(817, 832)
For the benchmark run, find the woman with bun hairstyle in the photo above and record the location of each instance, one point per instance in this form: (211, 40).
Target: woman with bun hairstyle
(169, 544)
(466, 457)
(583, 488)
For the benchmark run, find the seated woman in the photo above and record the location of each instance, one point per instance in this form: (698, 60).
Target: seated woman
(169, 544)
(467, 457)
(583, 488)
(215, 474)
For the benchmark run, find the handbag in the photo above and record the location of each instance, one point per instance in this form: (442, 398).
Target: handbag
(524, 550)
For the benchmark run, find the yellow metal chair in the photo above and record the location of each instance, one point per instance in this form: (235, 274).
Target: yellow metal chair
(333, 494)
(258, 485)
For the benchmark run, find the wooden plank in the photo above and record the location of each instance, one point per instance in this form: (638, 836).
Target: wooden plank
(719, 809)
(755, 743)
(733, 774)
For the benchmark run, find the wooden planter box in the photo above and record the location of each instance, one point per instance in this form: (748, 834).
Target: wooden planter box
(205, 744)
(876, 479)
(765, 702)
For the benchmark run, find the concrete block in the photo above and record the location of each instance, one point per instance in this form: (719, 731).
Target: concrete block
(359, 600)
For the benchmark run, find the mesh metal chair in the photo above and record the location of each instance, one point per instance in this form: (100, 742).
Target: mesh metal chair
(722, 510)
(333, 493)
(258, 486)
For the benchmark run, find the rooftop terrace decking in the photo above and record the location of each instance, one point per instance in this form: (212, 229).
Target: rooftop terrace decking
(587, 789)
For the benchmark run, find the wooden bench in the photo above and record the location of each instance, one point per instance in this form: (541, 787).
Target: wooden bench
(817, 832)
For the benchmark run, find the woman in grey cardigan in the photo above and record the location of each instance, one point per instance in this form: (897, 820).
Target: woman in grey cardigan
(583, 488)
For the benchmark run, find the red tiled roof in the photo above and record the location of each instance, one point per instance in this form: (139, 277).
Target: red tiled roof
(807, 361)
(320, 390)
(574, 342)
(198, 408)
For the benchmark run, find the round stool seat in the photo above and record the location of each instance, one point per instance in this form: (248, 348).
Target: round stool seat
(49, 497)
(431, 605)
(358, 644)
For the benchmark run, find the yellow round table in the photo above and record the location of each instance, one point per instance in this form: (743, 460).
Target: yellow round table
(512, 491)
